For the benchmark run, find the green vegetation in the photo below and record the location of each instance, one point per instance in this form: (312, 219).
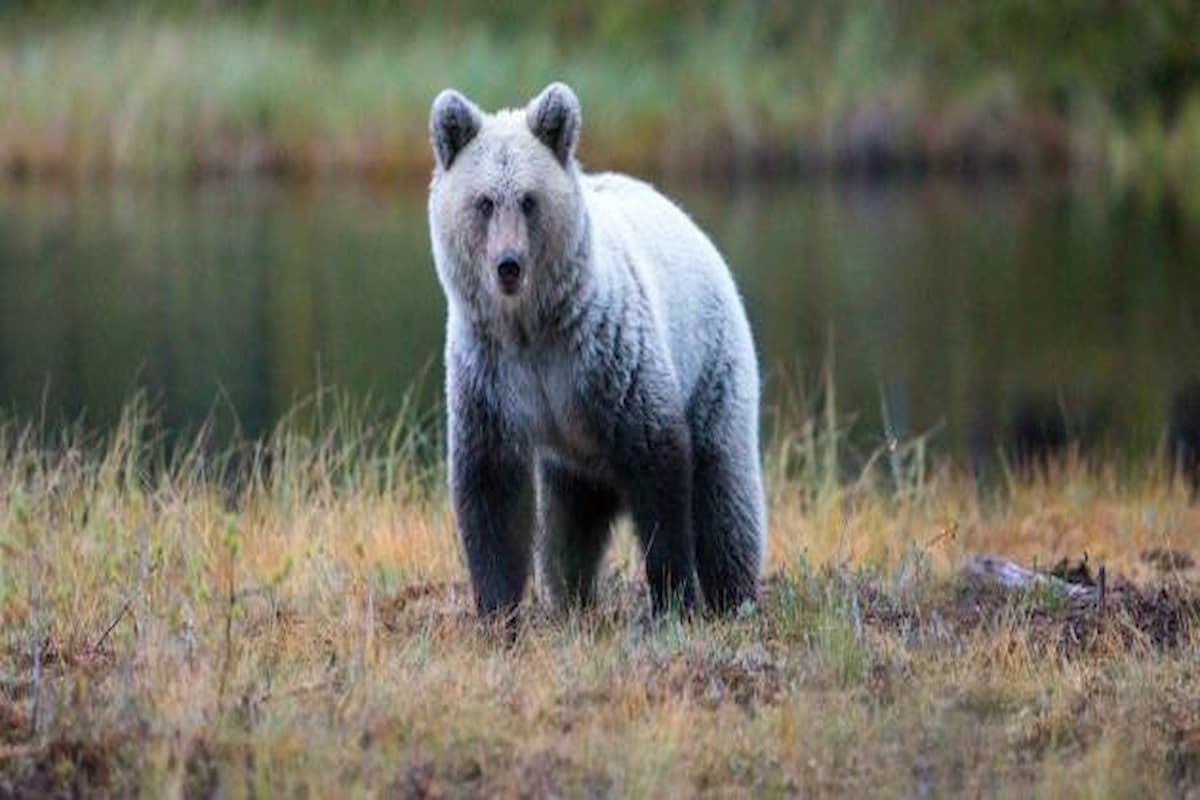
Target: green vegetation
(178, 88)
(168, 626)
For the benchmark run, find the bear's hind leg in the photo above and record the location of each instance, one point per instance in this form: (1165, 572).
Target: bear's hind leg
(577, 514)
(729, 517)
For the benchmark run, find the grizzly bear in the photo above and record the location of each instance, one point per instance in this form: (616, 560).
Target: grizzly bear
(598, 361)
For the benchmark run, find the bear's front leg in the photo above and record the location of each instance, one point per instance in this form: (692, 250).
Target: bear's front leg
(656, 464)
(492, 494)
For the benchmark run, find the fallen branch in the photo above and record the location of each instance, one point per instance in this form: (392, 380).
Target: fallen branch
(1013, 577)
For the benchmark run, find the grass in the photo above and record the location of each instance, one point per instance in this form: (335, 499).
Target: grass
(293, 617)
(159, 90)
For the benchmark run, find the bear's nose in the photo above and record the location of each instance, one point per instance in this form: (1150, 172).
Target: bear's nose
(509, 271)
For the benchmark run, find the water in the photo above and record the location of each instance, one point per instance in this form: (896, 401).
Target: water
(973, 312)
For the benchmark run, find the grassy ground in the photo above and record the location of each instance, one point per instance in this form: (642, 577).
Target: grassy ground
(165, 630)
(864, 86)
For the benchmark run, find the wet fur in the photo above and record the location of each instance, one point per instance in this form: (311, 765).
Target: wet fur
(621, 378)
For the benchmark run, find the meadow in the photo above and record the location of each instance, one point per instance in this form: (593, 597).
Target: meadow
(291, 617)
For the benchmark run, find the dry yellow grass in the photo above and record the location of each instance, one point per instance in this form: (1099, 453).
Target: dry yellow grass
(309, 632)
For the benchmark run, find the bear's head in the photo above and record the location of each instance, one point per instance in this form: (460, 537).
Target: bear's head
(505, 209)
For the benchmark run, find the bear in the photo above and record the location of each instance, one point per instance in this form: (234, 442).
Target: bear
(599, 362)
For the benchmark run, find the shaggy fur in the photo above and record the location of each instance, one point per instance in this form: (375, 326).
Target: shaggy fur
(598, 360)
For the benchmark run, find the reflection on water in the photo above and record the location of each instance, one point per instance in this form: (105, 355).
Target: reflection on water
(1037, 314)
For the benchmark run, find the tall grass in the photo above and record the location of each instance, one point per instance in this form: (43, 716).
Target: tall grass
(862, 88)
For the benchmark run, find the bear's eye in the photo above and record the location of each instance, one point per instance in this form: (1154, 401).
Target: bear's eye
(485, 206)
(528, 204)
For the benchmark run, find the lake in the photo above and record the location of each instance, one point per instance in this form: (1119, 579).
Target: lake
(974, 312)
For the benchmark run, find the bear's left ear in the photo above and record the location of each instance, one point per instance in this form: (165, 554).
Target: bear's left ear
(554, 118)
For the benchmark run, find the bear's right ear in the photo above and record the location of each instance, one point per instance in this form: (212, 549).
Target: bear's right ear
(453, 122)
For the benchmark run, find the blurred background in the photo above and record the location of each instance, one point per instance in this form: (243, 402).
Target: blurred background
(973, 222)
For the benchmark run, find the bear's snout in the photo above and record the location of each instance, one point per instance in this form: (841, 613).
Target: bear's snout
(508, 270)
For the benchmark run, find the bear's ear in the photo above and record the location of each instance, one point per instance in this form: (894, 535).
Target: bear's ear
(554, 117)
(453, 122)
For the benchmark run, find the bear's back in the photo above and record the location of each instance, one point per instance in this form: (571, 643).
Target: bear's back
(690, 286)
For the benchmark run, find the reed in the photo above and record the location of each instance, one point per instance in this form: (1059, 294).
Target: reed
(160, 89)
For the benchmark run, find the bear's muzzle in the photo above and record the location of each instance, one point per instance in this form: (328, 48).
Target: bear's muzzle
(508, 270)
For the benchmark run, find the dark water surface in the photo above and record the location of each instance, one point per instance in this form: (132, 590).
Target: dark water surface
(981, 312)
